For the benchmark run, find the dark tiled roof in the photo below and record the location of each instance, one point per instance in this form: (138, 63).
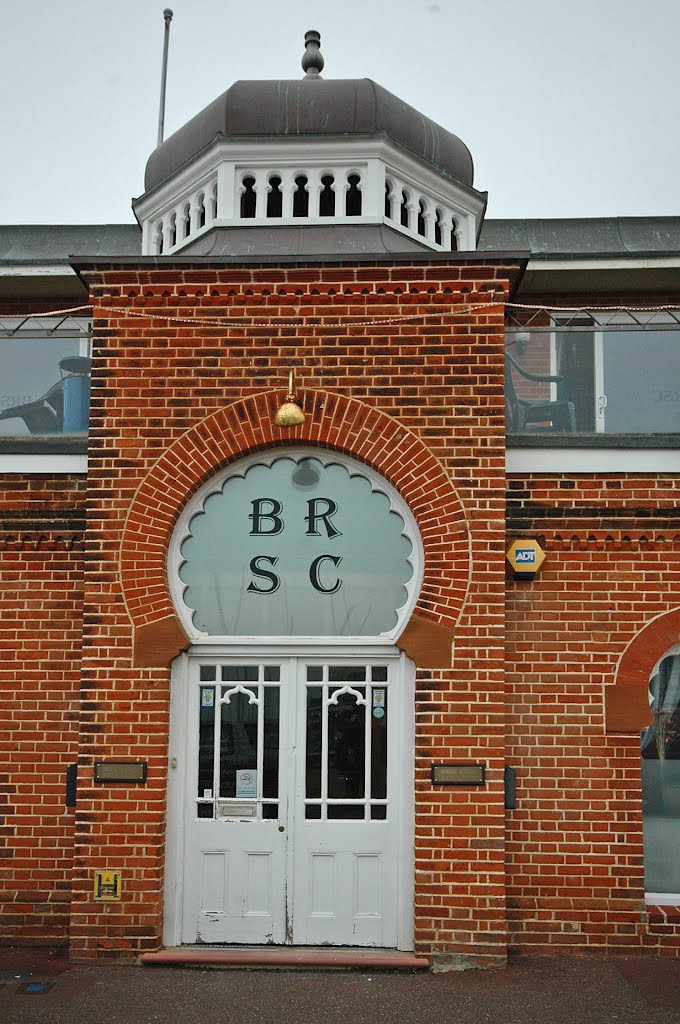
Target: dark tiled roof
(541, 239)
(54, 243)
(582, 236)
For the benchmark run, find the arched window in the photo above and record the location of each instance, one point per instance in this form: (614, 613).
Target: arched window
(660, 744)
(438, 217)
(301, 197)
(248, 198)
(404, 209)
(186, 220)
(327, 197)
(353, 196)
(305, 543)
(421, 218)
(274, 197)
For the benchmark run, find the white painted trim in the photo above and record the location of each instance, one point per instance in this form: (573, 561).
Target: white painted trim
(406, 806)
(174, 829)
(663, 899)
(634, 263)
(30, 465)
(36, 270)
(326, 457)
(592, 460)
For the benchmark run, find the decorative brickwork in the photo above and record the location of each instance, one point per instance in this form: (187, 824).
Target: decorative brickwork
(333, 421)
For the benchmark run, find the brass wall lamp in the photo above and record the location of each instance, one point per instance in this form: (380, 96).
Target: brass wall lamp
(290, 414)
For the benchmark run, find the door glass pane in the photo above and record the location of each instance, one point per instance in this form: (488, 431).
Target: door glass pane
(238, 742)
(378, 742)
(347, 674)
(270, 781)
(353, 812)
(208, 673)
(346, 747)
(206, 741)
(240, 673)
(313, 751)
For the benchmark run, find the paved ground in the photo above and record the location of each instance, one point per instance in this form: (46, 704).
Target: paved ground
(532, 991)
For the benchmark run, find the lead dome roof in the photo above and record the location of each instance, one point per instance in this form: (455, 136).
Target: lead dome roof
(311, 107)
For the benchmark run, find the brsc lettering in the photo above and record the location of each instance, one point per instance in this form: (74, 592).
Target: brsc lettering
(267, 521)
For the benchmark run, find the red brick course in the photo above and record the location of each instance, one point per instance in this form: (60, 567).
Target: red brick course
(574, 843)
(40, 637)
(173, 401)
(402, 367)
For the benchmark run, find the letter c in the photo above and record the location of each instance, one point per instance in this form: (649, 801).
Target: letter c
(314, 574)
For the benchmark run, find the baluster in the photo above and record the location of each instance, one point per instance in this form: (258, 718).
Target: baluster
(287, 188)
(412, 211)
(261, 191)
(429, 219)
(314, 190)
(168, 234)
(443, 229)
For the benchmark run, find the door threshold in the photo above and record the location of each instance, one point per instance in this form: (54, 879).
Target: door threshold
(287, 958)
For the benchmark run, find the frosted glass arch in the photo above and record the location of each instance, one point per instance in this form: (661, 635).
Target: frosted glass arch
(304, 543)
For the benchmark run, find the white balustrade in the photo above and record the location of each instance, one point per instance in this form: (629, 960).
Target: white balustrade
(327, 194)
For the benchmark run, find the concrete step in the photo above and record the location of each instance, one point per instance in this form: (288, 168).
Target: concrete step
(286, 957)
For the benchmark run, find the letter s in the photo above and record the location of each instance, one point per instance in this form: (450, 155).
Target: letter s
(265, 574)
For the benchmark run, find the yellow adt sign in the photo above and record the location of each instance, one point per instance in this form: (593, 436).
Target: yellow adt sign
(525, 556)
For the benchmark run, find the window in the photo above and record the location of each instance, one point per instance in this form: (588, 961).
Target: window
(660, 744)
(45, 373)
(584, 377)
(306, 544)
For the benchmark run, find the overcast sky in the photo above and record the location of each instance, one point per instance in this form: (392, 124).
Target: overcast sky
(569, 107)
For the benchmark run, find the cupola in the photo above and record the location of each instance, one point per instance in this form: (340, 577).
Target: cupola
(309, 166)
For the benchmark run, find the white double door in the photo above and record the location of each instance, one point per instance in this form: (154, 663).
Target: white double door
(297, 802)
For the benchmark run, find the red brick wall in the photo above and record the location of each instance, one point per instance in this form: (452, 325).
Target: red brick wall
(41, 525)
(439, 375)
(574, 843)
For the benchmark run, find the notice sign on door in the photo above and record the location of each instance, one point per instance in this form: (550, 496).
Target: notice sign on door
(246, 783)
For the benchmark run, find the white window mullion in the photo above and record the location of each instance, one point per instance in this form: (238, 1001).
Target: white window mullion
(367, 745)
(218, 736)
(324, 744)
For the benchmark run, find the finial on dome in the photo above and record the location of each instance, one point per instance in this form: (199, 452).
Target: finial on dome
(312, 58)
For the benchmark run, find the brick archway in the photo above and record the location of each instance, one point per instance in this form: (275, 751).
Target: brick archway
(333, 421)
(627, 702)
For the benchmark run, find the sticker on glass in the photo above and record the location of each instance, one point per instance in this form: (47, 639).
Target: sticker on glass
(207, 698)
(378, 712)
(378, 698)
(246, 783)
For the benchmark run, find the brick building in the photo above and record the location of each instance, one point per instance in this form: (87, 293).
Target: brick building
(309, 701)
